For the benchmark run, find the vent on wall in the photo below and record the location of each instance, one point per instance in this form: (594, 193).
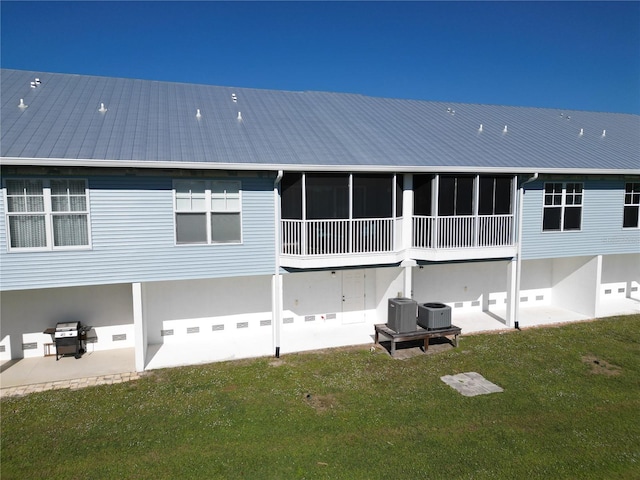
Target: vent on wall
(242, 325)
(30, 346)
(119, 338)
(287, 320)
(166, 333)
(309, 318)
(265, 323)
(2, 348)
(193, 329)
(217, 328)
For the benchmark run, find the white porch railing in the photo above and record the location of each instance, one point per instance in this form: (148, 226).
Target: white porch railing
(381, 235)
(335, 237)
(462, 231)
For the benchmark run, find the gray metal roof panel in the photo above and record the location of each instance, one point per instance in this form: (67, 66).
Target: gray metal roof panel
(149, 121)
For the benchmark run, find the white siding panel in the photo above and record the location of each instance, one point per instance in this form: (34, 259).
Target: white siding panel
(601, 232)
(132, 231)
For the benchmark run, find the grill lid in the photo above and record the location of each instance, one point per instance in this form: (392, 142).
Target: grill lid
(61, 326)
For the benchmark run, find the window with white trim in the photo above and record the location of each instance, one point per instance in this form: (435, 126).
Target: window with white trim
(631, 205)
(46, 214)
(562, 206)
(208, 211)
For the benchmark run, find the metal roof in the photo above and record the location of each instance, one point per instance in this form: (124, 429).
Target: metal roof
(150, 123)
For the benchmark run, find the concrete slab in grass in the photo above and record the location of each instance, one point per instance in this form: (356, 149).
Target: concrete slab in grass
(471, 384)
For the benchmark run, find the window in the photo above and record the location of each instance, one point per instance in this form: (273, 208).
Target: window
(562, 206)
(47, 213)
(208, 211)
(631, 205)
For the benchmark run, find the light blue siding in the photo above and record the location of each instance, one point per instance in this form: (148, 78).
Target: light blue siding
(601, 233)
(132, 230)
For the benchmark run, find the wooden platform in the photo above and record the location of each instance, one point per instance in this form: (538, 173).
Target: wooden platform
(419, 334)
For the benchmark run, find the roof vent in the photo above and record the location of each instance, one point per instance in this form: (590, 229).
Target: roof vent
(581, 132)
(480, 129)
(504, 130)
(239, 116)
(198, 114)
(604, 133)
(22, 104)
(33, 85)
(38, 82)
(234, 98)
(102, 109)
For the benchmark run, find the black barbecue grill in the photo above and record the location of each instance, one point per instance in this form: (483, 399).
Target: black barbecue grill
(69, 338)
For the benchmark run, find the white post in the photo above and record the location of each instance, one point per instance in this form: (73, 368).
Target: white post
(276, 286)
(407, 215)
(139, 326)
(512, 292)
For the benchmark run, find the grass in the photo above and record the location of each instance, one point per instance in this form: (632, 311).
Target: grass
(569, 410)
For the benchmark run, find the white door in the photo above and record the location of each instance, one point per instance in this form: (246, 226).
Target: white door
(353, 296)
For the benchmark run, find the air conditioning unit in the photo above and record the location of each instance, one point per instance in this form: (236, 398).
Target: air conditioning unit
(434, 316)
(402, 315)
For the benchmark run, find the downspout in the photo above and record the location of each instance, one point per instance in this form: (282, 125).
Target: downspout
(519, 250)
(277, 294)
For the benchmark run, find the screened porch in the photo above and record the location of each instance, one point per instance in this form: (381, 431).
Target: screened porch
(334, 214)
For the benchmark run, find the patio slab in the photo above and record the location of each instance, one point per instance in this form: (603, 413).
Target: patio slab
(471, 384)
(42, 370)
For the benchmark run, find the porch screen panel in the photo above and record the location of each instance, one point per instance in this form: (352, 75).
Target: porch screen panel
(495, 196)
(399, 190)
(291, 194)
(327, 196)
(372, 196)
(455, 196)
(422, 195)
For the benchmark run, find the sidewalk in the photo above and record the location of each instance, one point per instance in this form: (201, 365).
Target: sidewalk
(74, 384)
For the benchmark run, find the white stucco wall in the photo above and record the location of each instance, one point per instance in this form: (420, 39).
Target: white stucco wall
(25, 314)
(213, 308)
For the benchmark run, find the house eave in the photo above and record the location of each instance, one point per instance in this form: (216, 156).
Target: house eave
(159, 164)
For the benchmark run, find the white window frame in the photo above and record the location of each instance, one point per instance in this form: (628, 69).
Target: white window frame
(232, 204)
(48, 213)
(563, 205)
(629, 202)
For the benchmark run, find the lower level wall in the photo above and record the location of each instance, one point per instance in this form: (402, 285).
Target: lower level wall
(25, 314)
(321, 309)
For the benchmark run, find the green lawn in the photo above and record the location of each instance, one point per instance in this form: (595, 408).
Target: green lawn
(353, 414)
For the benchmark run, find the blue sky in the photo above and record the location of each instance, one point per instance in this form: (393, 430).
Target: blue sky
(570, 55)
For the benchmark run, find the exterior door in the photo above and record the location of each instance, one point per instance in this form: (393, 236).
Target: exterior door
(353, 296)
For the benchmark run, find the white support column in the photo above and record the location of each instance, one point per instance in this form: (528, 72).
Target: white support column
(407, 213)
(512, 293)
(407, 235)
(139, 326)
(598, 281)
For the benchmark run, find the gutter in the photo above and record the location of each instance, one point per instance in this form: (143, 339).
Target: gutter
(516, 313)
(277, 278)
(343, 167)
